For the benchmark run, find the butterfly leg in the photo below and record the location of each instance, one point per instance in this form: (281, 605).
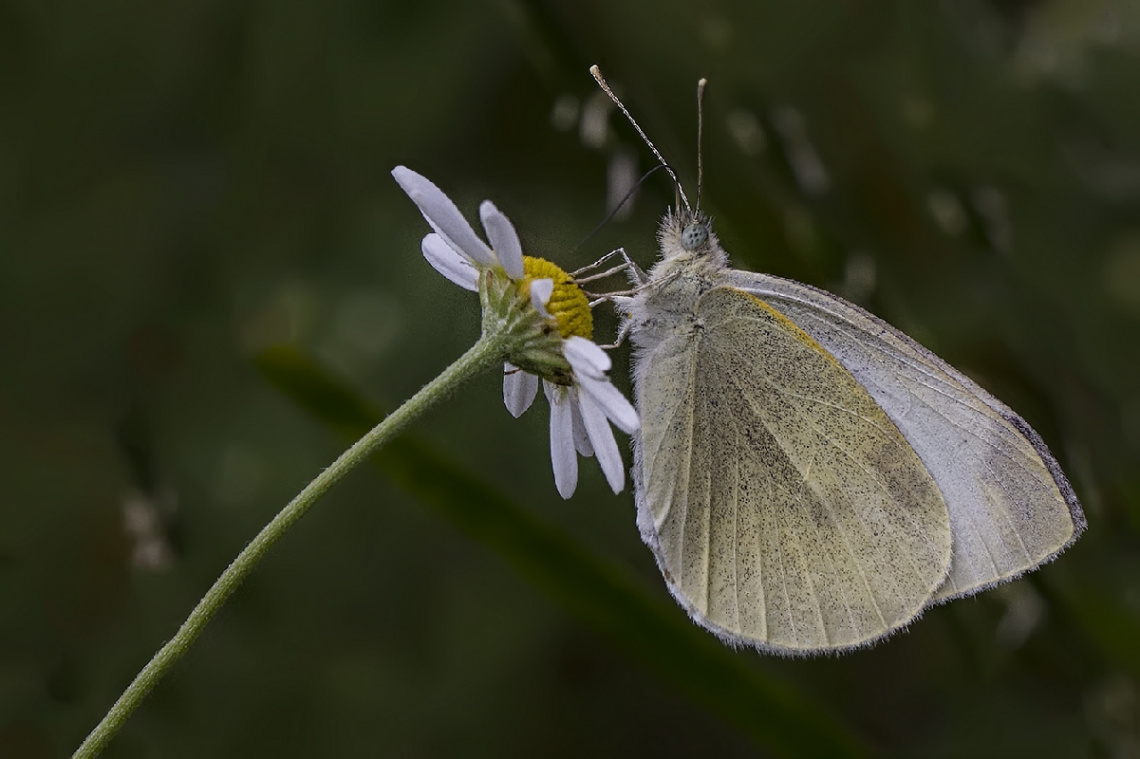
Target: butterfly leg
(623, 330)
(596, 264)
(644, 285)
(636, 274)
(601, 275)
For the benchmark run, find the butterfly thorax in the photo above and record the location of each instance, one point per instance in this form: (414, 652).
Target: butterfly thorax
(690, 266)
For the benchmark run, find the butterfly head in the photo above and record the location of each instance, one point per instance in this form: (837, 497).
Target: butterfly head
(695, 235)
(688, 235)
(690, 229)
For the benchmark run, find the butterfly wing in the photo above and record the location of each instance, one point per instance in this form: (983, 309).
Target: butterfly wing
(1010, 506)
(784, 508)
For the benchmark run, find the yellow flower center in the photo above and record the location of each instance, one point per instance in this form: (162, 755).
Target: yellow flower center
(568, 304)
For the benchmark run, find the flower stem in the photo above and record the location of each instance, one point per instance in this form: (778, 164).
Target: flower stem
(489, 351)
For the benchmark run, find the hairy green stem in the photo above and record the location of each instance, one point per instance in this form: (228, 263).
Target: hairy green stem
(489, 351)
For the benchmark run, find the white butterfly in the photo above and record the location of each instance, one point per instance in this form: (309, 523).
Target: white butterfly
(810, 478)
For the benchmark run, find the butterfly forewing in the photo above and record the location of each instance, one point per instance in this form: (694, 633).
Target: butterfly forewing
(784, 506)
(1010, 506)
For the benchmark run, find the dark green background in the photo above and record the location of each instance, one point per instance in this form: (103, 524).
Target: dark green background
(183, 185)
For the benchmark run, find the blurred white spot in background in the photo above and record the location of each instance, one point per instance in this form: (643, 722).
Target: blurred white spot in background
(858, 277)
(747, 131)
(564, 114)
(594, 129)
(621, 178)
(1024, 611)
(947, 211)
(993, 208)
(807, 166)
(144, 521)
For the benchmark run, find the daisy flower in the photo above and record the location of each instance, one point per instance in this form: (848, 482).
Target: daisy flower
(541, 304)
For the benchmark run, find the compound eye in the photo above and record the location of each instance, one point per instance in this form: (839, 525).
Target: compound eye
(694, 236)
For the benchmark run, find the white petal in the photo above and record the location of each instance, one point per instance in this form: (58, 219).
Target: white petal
(519, 389)
(586, 357)
(504, 239)
(581, 439)
(450, 264)
(611, 402)
(443, 216)
(562, 454)
(602, 438)
(540, 292)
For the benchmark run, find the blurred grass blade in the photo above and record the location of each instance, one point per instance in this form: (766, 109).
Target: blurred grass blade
(593, 589)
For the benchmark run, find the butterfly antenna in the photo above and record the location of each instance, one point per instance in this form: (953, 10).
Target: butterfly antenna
(700, 137)
(601, 80)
